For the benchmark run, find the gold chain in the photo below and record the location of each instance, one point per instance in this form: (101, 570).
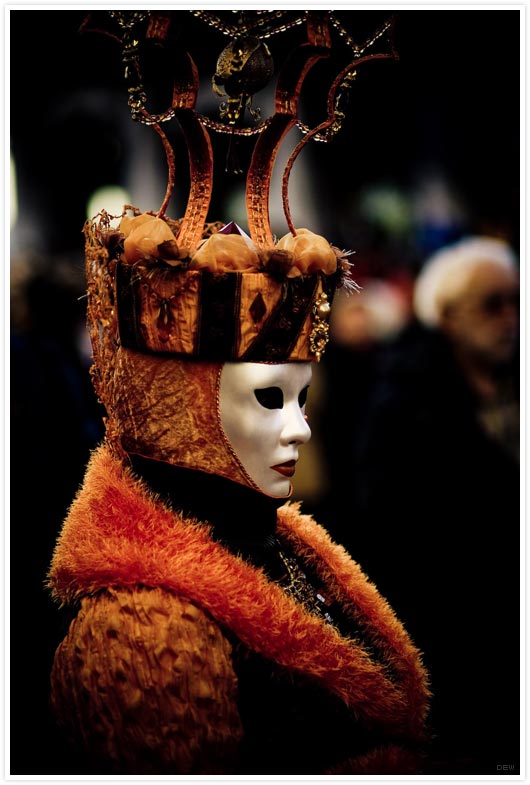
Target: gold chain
(256, 27)
(298, 587)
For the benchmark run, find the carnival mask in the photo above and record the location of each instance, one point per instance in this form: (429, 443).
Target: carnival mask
(262, 409)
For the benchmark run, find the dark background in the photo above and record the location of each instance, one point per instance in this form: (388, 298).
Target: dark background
(449, 109)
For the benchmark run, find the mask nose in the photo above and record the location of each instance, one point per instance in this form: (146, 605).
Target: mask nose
(295, 429)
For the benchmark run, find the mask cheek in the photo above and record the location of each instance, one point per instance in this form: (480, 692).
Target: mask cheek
(254, 436)
(252, 439)
(262, 454)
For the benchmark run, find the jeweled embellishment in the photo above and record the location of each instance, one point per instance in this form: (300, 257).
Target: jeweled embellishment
(319, 335)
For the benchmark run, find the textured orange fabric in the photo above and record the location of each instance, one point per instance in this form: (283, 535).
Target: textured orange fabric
(167, 409)
(146, 679)
(169, 304)
(183, 304)
(117, 534)
(149, 298)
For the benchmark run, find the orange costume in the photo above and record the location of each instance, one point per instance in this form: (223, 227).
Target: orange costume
(147, 677)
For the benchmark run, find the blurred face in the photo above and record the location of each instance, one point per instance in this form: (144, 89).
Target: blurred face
(263, 415)
(483, 322)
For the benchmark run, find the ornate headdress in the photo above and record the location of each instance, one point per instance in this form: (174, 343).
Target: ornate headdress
(206, 291)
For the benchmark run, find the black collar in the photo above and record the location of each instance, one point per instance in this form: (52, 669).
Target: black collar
(242, 519)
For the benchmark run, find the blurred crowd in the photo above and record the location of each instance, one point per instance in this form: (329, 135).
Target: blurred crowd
(55, 422)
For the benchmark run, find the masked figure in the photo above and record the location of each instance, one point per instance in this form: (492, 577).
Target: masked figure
(216, 629)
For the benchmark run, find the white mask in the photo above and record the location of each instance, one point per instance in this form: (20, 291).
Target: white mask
(263, 415)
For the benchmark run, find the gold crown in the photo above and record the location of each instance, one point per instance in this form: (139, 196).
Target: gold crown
(208, 291)
(228, 300)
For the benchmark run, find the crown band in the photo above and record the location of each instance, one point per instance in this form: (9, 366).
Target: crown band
(230, 316)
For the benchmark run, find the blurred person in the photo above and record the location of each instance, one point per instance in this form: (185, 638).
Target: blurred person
(436, 497)
(470, 292)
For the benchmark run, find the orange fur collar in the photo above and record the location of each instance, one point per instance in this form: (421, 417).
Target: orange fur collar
(118, 534)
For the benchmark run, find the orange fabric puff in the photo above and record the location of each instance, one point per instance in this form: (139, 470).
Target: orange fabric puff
(224, 253)
(147, 237)
(311, 252)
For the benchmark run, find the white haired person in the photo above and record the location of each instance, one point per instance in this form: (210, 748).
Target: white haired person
(437, 497)
(470, 293)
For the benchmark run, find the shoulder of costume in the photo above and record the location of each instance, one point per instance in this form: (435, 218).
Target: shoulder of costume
(115, 516)
(103, 544)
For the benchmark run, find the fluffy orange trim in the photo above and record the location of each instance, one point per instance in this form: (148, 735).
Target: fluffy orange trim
(361, 600)
(118, 534)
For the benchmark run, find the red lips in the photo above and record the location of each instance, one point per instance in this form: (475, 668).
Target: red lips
(287, 468)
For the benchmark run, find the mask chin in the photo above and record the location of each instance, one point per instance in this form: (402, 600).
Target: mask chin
(280, 494)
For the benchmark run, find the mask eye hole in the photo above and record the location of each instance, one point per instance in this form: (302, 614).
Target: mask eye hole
(270, 397)
(302, 398)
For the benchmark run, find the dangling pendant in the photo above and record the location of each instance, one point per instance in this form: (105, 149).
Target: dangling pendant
(232, 163)
(319, 336)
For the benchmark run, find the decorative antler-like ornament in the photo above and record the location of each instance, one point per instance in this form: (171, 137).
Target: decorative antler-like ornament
(244, 67)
